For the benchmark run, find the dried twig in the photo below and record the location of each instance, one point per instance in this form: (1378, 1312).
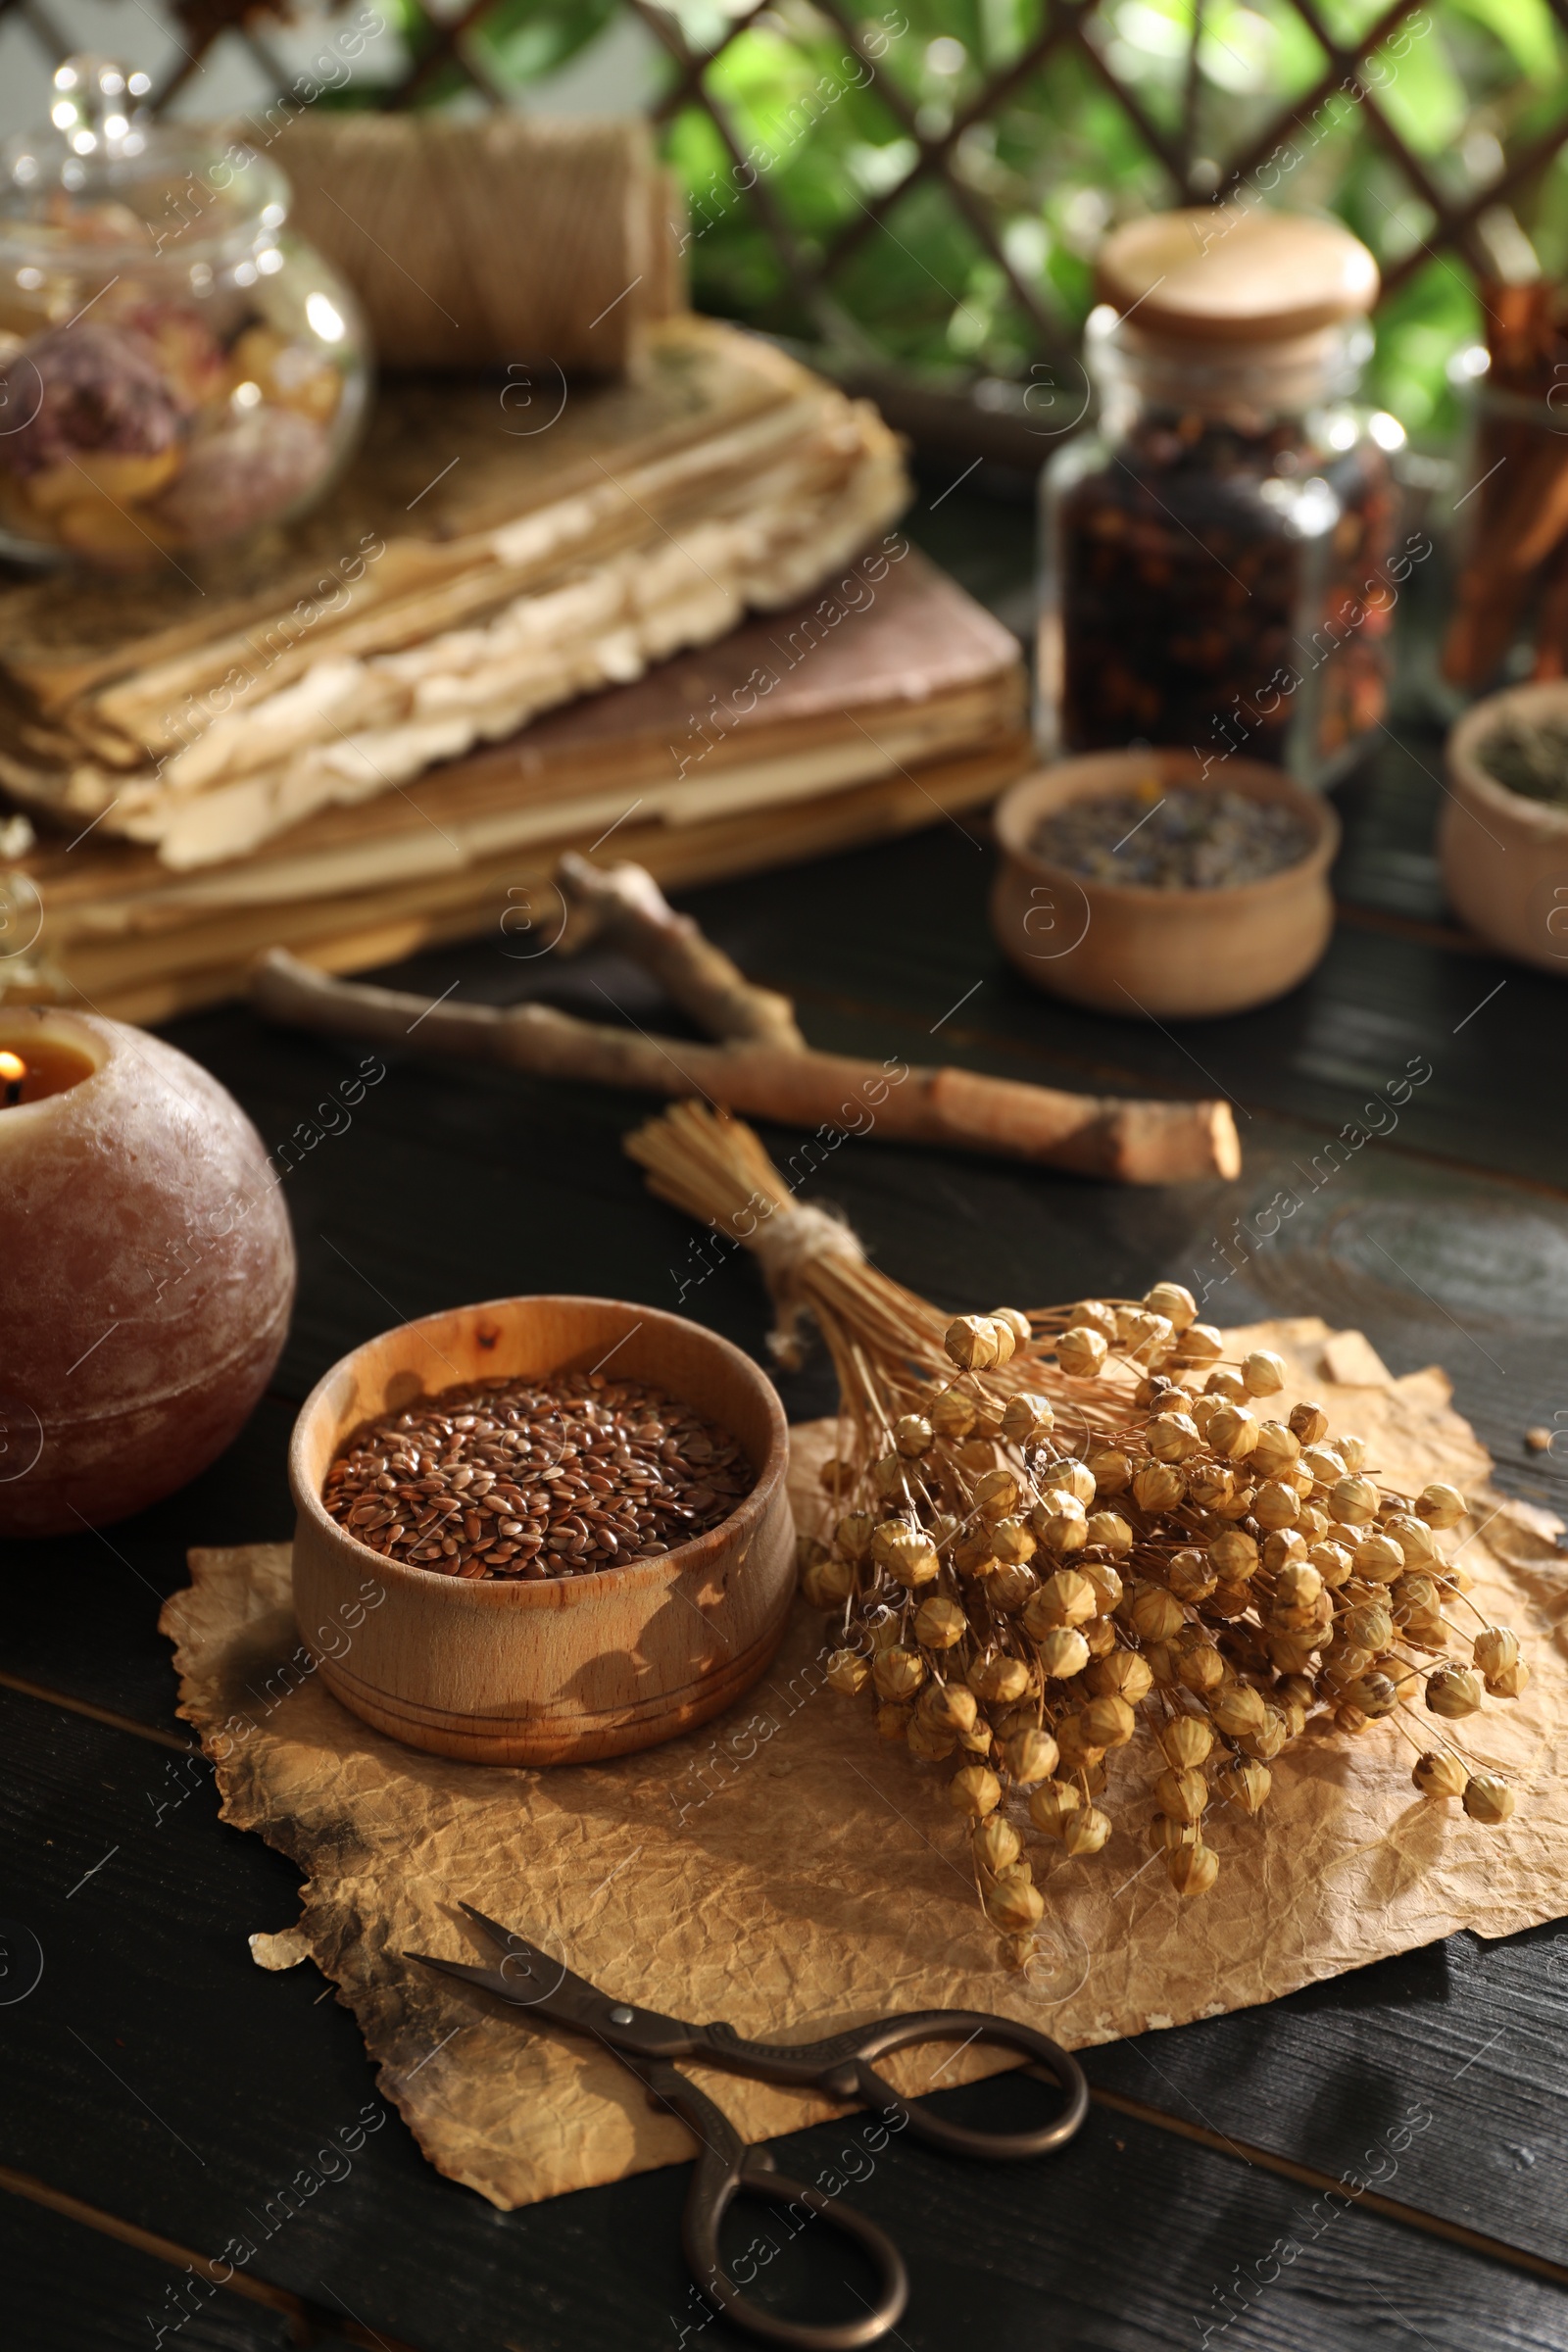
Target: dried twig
(762, 1064)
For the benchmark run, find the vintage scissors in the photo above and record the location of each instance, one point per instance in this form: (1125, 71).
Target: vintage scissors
(841, 2067)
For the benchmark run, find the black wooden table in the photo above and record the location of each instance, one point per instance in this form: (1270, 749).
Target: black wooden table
(160, 2091)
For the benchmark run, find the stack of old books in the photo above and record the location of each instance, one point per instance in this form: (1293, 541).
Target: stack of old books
(672, 614)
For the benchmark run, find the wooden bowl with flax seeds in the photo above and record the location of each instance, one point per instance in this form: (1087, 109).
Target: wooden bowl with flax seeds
(539, 1531)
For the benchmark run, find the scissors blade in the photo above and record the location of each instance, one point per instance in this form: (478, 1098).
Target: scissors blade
(529, 1978)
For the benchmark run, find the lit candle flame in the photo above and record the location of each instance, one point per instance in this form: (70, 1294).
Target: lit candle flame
(12, 1076)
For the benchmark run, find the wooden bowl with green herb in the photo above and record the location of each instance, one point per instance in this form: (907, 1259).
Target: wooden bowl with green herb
(1134, 883)
(1503, 834)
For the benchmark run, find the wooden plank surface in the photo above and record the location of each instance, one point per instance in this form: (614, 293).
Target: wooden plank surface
(1444, 1240)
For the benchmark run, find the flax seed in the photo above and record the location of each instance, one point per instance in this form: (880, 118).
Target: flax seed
(551, 1478)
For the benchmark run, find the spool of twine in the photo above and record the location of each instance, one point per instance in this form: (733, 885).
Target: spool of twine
(514, 238)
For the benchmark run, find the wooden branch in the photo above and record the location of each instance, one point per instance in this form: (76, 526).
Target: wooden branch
(626, 906)
(762, 1066)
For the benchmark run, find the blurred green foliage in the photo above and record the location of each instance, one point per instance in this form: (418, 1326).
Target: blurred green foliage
(1468, 85)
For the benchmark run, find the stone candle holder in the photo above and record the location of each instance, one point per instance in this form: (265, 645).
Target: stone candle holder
(146, 1270)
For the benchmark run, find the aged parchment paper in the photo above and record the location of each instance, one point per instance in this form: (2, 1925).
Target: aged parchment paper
(785, 1871)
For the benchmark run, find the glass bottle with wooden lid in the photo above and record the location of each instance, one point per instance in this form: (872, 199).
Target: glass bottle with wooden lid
(1218, 562)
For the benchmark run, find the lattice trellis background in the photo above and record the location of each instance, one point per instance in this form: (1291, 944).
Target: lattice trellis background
(921, 183)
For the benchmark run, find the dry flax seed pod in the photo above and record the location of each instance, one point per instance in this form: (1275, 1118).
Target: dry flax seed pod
(1107, 1723)
(1222, 1382)
(1353, 1450)
(1333, 1563)
(1327, 1467)
(953, 1415)
(1453, 1691)
(1284, 1548)
(1066, 1478)
(1065, 1599)
(897, 1674)
(912, 1435)
(1313, 1524)
(1165, 1835)
(1413, 1537)
(1264, 1373)
(1440, 1504)
(1237, 1711)
(1297, 1584)
(1062, 1653)
(1232, 1432)
(940, 1622)
(1079, 1749)
(836, 1476)
(1031, 1755)
(827, 1584)
(1495, 1649)
(1012, 1543)
(1104, 1580)
(1191, 1869)
(1176, 1303)
(1277, 1449)
(1125, 1673)
(1292, 1654)
(1276, 1505)
(890, 1476)
(1265, 1745)
(1182, 1795)
(1081, 1352)
(1440, 1773)
(995, 1493)
(1373, 1696)
(910, 1559)
(846, 1672)
(1488, 1800)
(1510, 1681)
(1369, 1626)
(1186, 1741)
(1109, 1532)
(949, 1707)
(1348, 1719)
(1200, 1669)
(1084, 1832)
(853, 1535)
(1062, 1525)
(1154, 1614)
(1379, 1559)
(1027, 1419)
(1192, 1576)
(1172, 1436)
(1014, 1905)
(1110, 1469)
(972, 1555)
(1004, 1682)
(996, 1845)
(1092, 1315)
(1233, 1557)
(1242, 1782)
(1230, 1601)
(927, 1741)
(1308, 1422)
(975, 1790)
(1355, 1501)
(1159, 1486)
(1016, 1322)
(1101, 1634)
(971, 1343)
(1050, 1804)
(1010, 1589)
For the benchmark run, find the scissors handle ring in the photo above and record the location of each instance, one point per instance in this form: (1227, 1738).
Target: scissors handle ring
(966, 2026)
(713, 2189)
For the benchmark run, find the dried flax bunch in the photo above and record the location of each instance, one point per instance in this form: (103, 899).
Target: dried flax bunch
(1044, 1525)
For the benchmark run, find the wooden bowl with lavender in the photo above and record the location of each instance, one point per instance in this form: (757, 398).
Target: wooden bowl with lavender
(541, 1530)
(1132, 883)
